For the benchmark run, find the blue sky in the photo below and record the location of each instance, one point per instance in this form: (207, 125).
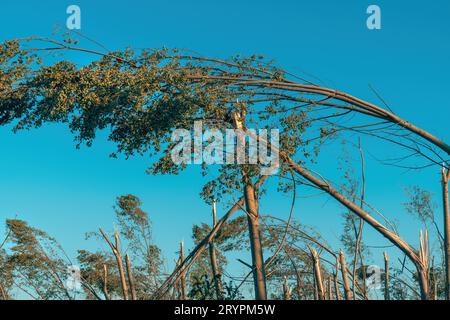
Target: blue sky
(67, 192)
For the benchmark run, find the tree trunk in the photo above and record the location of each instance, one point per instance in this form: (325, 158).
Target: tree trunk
(116, 251)
(423, 273)
(130, 277)
(344, 271)
(336, 286)
(445, 198)
(213, 258)
(259, 274)
(105, 282)
(183, 276)
(330, 287)
(336, 280)
(318, 274)
(286, 290)
(386, 277)
(423, 283)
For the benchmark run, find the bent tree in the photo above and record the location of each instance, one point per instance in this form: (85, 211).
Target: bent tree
(141, 96)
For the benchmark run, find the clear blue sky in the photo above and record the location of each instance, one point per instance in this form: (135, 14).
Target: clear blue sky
(67, 192)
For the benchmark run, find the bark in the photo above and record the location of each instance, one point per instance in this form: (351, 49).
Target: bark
(344, 271)
(386, 277)
(259, 274)
(446, 206)
(213, 258)
(130, 277)
(116, 251)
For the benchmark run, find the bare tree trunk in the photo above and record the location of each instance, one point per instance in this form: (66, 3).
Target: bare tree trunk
(259, 274)
(183, 276)
(105, 282)
(213, 258)
(130, 277)
(318, 274)
(116, 251)
(347, 290)
(446, 205)
(386, 277)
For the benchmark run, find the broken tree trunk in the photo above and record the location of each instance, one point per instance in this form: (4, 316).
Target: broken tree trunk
(318, 274)
(344, 271)
(423, 272)
(446, 205)
(116, 251)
